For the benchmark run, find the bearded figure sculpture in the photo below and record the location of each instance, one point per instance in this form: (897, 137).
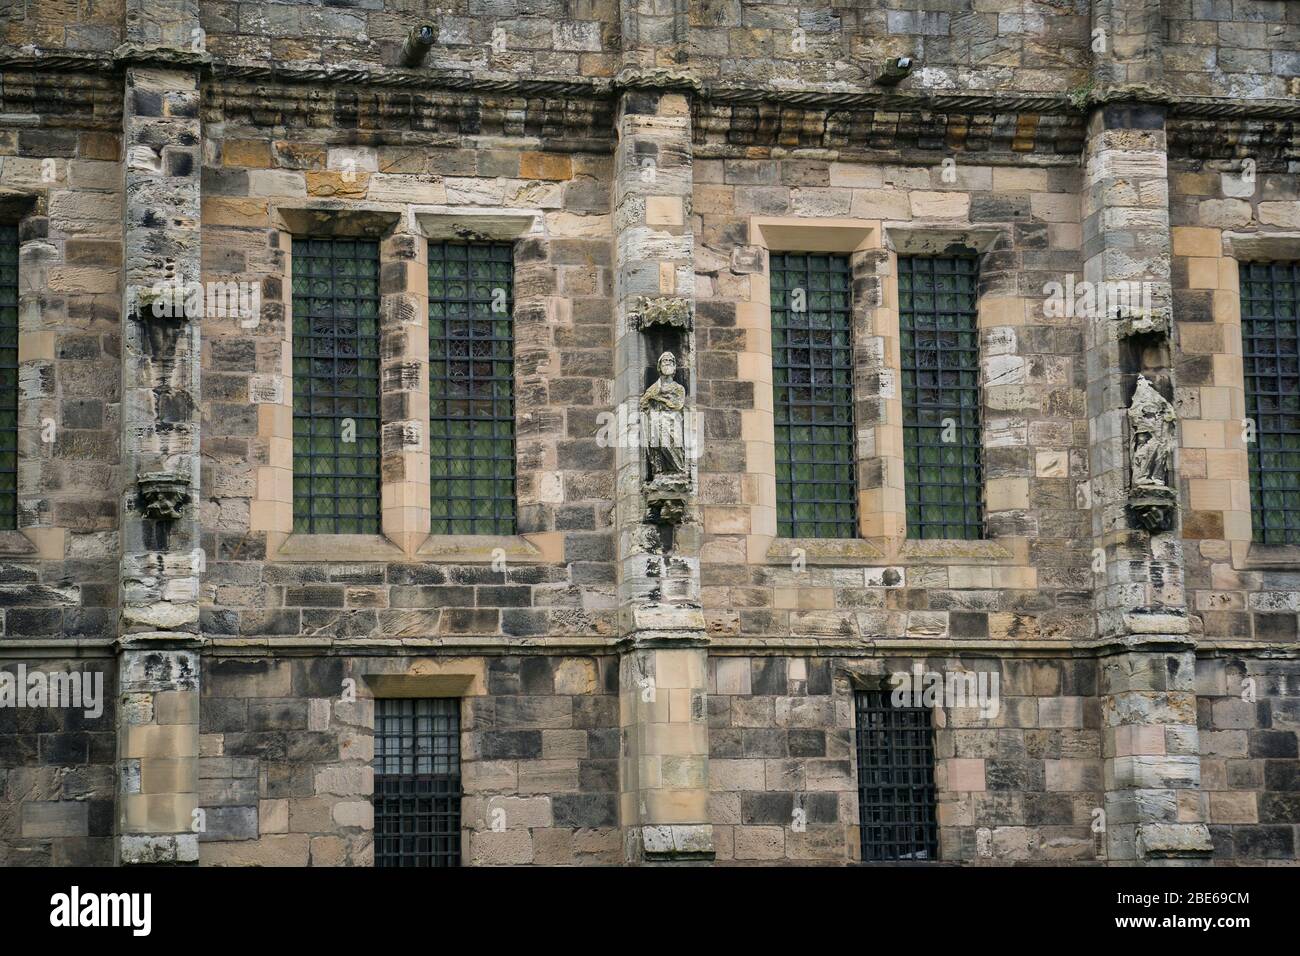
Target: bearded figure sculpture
(663, 410)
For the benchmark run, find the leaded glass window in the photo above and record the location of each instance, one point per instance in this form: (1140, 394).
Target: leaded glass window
(942, 434)
(471, 388)
(417, 782)
(1270, 304)
(812, 382)
(896, 795)
(336, 427)
(8, 378)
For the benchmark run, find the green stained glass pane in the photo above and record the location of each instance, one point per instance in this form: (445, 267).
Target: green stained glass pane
(1270, 300)
(336, 386)
(812, 346)
(940, 387)
(471, 387)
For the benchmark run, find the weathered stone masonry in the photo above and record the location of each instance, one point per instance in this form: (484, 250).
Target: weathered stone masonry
(646, 671)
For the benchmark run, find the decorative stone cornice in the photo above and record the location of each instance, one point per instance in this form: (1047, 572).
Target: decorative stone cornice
(656, 78)
(140, 54)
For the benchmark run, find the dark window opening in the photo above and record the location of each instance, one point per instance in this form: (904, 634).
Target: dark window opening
(812, 382)
(336, 426)
(8, 378)
(417, 782)
(471, 388)
(942, 429)
(1270, 340)
(896, 799)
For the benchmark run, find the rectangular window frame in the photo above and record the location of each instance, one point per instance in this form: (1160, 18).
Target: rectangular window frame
(417, 782)
(354, 413)
(9, 365)
(1268, 356)
(832, 498)
(920, 418)
(492, 301)
(906, 731)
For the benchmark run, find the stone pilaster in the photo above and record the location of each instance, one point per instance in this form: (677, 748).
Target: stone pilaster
(1126, 47)
(663, 704)
(1154, 808)
(161, 557)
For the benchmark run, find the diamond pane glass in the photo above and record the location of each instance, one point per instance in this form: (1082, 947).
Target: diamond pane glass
(417, 782)
(8, 378)
(336, 425)
(812, 386)
(1270, 311)
(896, 801)
(942, 434)
(471, 388)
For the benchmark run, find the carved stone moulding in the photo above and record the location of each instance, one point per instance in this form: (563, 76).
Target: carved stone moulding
(163, 494)
(662, 312)
(1153, 507)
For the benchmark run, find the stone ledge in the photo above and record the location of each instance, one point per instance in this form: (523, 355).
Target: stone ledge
(328, 547)
(825, 551)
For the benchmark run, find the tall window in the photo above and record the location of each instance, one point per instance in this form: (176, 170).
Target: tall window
(896, 801)
(471, 388)
(417, 782)
(336, 386)
(942, 441)
(1270, 310)
(8, 378)
(812, 382)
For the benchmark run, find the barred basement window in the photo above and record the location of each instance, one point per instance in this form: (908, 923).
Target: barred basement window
(471, 388)
(812, 383)
(896, 801)
(417, 782)
(8, 378)
(942, 434)
(336, 479)
(1270, 307)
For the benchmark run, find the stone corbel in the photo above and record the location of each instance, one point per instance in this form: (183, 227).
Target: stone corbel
(665, 311)
(163, 494)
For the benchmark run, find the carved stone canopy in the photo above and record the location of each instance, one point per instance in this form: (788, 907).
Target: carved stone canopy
(163, 494)
(663, 311)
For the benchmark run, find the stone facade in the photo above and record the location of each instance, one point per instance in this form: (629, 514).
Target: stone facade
(646, 671)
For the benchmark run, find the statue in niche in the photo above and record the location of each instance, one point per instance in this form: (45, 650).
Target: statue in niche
(663, 407)
(1151, 425)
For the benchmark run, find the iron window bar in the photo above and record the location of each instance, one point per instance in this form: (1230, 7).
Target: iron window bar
(471, 388)
(336, 481)
(897, 811)
(812, 383)
(942, 427)
(417, 782)
(1270, 311)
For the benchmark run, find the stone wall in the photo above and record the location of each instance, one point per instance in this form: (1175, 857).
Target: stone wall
(630, 692)
(58, 776)
(286, 778)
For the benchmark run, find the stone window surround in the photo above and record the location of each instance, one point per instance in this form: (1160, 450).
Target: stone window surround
(36, 345)
(1239, 247)
(873, 247)
(403, 232)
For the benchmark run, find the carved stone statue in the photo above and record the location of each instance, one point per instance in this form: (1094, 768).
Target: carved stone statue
(1151, 427)
(1152, 501)
(663, 409)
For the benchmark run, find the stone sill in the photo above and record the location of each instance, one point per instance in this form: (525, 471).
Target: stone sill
(336, 547)
(1271, 557)
(15, 543)
(851, 552)
(826, 551)
(958, 551)
(542, 548)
